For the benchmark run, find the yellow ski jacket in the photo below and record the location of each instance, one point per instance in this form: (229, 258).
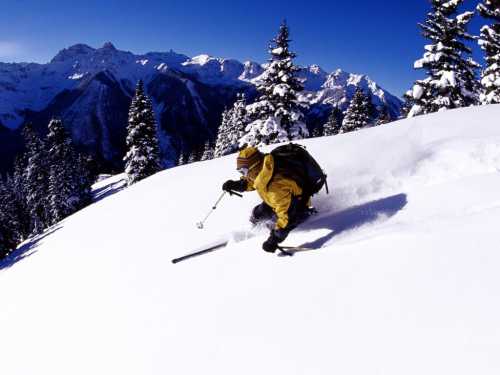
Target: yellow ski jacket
(277, 192)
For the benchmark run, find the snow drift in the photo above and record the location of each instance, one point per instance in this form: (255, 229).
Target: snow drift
(403, 279)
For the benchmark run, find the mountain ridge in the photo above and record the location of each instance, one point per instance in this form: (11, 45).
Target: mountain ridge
(90, 89)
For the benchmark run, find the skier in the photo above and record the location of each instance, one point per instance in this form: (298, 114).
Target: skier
(284, 199)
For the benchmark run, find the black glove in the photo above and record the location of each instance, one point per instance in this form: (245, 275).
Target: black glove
(231, 185)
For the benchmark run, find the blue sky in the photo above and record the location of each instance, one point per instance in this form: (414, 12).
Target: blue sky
(380, 39)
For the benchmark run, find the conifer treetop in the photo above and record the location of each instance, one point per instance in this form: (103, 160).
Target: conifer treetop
(451, 73)
(277, 116)
(489, 42)
(143, 155)
(279, 46)
(357, 115)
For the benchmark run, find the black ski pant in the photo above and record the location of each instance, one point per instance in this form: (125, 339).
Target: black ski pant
(297, 213)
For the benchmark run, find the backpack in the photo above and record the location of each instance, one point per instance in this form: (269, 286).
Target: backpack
(293, 161)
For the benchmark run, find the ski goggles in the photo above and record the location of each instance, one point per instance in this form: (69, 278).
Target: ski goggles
(243, 171)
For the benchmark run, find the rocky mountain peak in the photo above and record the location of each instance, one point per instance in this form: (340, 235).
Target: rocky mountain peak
(72, 52)
(108, 46)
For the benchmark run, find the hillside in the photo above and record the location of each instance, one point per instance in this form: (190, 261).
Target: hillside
(403, 279)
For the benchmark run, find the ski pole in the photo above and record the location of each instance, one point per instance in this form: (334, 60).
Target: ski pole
(201, 223)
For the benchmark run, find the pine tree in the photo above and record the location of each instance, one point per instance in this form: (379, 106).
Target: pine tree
(208, 152)
(9, 224)
(406, 108)
(490, 43)
(69, 184)
(182, 159)
(239, 116)
(7, 243)
(36, 181)
(277, 115)
(317, 131)
(384, 116)
(143, 157)
(357, 115)
(333, 124)
(451, 72)
(86, 177)
(193, 157)
(14, 210)
(223, 143)
(19, 196)
(232, 128)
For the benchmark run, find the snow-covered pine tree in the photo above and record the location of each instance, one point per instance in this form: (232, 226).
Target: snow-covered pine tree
(19, 189)
(406, 107)
(317, 131)
(333, 124)
(232, 128)
(182, 159)
(384, 116)
(67, 176)
(9, 226)
(5, 248)
(208, 152)
(223, 143)
(143, 157)
(85, 167)
(451, 72)
(193, 157)
(5, 241)
(13, 209)
(490, 43)
(357, 115)
(36, 181)
(277, 116)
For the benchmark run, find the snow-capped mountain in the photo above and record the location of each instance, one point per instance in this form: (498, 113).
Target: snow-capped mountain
(402, 279)
(338, 88)
(90, 89)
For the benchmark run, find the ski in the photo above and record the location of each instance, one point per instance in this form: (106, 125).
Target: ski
(200, 252)
(288, 251)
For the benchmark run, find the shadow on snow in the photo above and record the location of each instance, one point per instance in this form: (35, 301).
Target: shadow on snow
(29, 247)
(25, 250)
(108, 190)
(354, 217)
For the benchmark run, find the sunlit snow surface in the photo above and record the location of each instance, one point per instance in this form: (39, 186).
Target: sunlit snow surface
(404, 279)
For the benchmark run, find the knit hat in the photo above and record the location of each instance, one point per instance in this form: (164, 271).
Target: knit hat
(248, 158)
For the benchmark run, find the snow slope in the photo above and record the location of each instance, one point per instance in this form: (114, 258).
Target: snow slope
(404, 278)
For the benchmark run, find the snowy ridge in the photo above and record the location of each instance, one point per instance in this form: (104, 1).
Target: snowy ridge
(338, 88)
(33, 86)
(403, 279)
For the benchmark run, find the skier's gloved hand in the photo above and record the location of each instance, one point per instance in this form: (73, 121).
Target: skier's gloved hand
(231, 185)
